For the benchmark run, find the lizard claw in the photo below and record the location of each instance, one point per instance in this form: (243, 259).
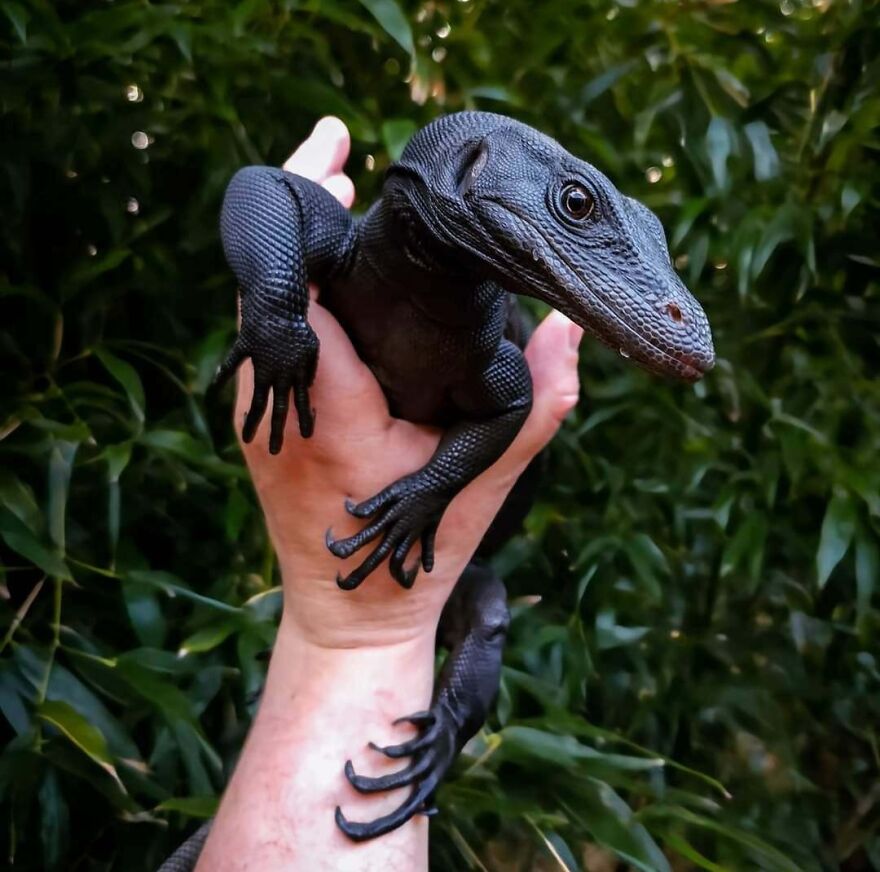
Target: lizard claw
(432, 753)
(285, 358)
(403, 514)
(418, 719)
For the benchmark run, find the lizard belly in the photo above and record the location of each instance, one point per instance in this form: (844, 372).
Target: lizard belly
(416, 359)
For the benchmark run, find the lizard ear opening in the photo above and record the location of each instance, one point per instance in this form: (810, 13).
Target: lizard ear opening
(472, 167)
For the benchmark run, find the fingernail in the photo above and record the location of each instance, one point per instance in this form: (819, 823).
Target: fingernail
(575, 334)
(319, 126)
(327, 126)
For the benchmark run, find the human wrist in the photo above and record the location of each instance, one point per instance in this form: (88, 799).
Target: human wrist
(379, 613)
(319, 661)
(320, 707)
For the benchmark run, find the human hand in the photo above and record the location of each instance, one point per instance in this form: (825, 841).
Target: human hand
(358, 448)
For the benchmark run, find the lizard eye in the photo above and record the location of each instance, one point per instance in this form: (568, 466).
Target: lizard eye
(576, 201)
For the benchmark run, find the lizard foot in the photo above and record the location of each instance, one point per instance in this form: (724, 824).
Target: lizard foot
(406, 512)
(285, 357)
(431, 751)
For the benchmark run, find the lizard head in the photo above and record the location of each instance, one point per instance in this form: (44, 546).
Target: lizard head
(552, 226)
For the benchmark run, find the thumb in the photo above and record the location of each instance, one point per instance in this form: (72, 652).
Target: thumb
(552, 355)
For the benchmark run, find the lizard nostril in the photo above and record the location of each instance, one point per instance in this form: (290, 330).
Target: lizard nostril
(674, 312)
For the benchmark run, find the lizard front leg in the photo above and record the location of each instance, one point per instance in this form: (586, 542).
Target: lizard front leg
(410, 509)
(279, 231)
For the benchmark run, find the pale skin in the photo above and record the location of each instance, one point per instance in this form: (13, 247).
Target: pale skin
(347, 663)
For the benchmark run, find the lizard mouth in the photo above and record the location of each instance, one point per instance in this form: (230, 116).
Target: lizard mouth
(685, 366)
(623, 335)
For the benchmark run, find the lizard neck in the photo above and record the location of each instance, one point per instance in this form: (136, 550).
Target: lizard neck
(404, 254)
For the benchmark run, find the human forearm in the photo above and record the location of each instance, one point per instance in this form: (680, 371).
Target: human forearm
(319, 708)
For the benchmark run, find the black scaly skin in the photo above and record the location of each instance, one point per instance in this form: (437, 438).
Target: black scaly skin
(184, 859)
(478, 208)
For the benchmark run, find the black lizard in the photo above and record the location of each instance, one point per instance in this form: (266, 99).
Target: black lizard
(479, 207)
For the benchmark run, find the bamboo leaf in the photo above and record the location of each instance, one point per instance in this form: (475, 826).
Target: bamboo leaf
(192, 806)
(867, 573)
(128, 377)
(838, 528)
(21, 540)
(393, 22)
(86, 736)
(54, 820)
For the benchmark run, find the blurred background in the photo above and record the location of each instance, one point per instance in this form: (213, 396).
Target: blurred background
(698, 685)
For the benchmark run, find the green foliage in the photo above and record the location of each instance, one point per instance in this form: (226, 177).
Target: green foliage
(708, 557)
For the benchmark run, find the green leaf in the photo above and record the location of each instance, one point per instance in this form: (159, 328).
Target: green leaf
(772, 859)
(393, 22)
(87, 737)
(13, 698)
(206, 639)
(192, 806)
(745, 550)
(832, 124)
(732, 86)
(719, 142)
(19, 16)
(118, 457)
(782, 228)
(195, 752)
(167, 699)
(688, 215)
(194, 451)
(128, 377)
(850, 197)
(766, 159)
(89, 269)
(237, 509)
(838, 529)
(610, 634)
(64, 686)
(19, 499)
(54, 820)
(529, 743)
(60, 470)
(697, 254)
(605, 80)
(144, 612)
(22, 541)
(172, 586)
(612, 823)
(182, 36)
(396, 133)
(867, 573)
(557, 848)
(498, 93)
(809, 632)
(648, 561)
(681, 846)
(265, 606)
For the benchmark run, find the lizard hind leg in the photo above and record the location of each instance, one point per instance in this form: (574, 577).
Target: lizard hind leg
(473, 627)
